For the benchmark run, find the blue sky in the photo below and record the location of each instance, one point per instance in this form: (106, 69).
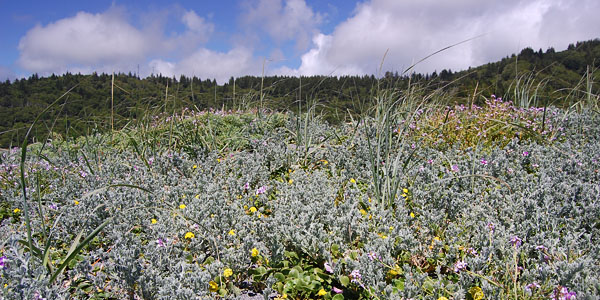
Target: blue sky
(220, 39)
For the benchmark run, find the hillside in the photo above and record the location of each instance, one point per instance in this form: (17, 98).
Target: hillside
(533, 78)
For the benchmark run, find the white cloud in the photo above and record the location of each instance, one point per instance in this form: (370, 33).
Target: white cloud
(293, 21)
(107, 42)
(211, 64)
(83, 40)
(412, 30)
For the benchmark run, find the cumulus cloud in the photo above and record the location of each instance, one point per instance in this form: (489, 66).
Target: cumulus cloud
(293, 20)
(83, 40)
(211, 64)
(106, 42)
(413, 29)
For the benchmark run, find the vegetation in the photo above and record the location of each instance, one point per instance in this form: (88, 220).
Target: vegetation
(410, 198)
(548, 77)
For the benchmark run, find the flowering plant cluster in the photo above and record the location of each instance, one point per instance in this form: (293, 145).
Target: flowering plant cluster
(291, 208)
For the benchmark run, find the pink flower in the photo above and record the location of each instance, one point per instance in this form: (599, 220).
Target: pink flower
(328, 268)
(336, 290)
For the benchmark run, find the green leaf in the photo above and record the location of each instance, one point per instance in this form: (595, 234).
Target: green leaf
(344, 280)
(280, 277)
(338, 297)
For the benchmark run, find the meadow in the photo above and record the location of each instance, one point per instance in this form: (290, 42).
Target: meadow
(414, 199)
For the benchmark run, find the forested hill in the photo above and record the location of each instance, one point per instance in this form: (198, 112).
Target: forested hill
(548, 77)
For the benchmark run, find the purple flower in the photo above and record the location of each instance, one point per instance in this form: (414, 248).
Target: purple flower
(372, 255)
(261, 190)
(459, 266)
(472, 251)
(531, 286)
(484, 162)
(355, 275)
(516, 241)
(454, 168)
(3, 262)
(246, 185)
(336, 290)
(541, 248)
(160, 242)
(328, 268)
(525, 153)
(53, 206)
(83, 174)
(491, 226)
(562, 293)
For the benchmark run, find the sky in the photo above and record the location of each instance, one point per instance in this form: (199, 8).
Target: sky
(221, 39)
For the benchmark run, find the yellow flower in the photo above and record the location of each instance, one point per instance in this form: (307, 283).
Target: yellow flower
(291, 181)
(189, 235)
(153, 221)
(476, 293)
(412, 215)
(252, 209)
(405, 191)
(442, 298)
(16, 210)
(197, 196)
(195, 166)
(383, 236)
(227, 272)
(76, 202)
(218, 160)
(181, 206)
(322, 292)
(231, 232)
(213, 286)
(363, 212)
(254, 252)
(352, 180)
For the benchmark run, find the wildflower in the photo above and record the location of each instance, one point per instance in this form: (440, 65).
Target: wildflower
(322, 292)
(181, 206)
(290, 181)
(476, 293)
(261, 190)
(16, 211)
(491, 227)
(82, 174)
(484, 162)
(363, 212)
(197, 196)
(336, 290)
(525, 153)
(541, 248)
(454, 168)
(412, 215)
(231, 232)
(405, 190)
(189, 235)
(254, 252)
(562, 293)
(227, 272)
(213, 286)
(252, 209)
(472, 251)
(160, 242)
(246, 185)
(352, 180)
(442, 298)
(327, 267)
(459, 266)
(76, 202)
(516, 241)
(531, 286)
(355, 275)
(53, 206)
(372, 255)
(3, 262)
(153, 221)
(194, 167)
